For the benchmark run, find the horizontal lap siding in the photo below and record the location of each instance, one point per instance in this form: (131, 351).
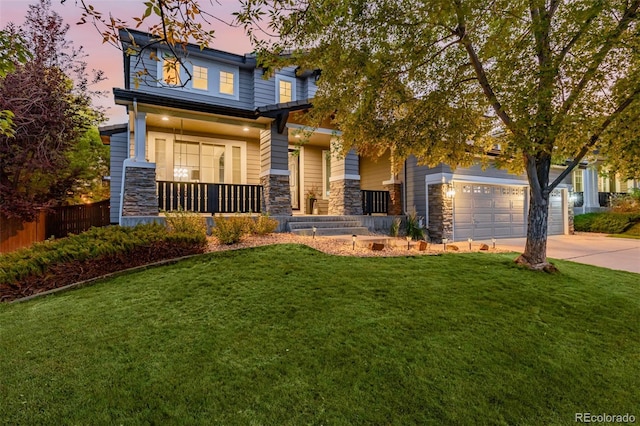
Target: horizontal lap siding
(264, 90)
(253, 162)
(313, 176)
(119, 149)
(375, 171)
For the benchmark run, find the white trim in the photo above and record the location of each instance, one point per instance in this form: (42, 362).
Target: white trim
(276, 172)
(319, 130)
(438, 178)
(344, 177)
(490, 180)
(391, 181)
(303, 198)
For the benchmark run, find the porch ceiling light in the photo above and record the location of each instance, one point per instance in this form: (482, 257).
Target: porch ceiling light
(165, 118)
(245, 129)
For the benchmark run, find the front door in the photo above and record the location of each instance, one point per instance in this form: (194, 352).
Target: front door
(294, 178)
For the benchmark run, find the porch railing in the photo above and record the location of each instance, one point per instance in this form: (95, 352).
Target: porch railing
(604, 198)
(209, 197)
(374, 201)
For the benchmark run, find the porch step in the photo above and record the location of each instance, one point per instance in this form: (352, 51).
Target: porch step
(330, 232)
(322, 224)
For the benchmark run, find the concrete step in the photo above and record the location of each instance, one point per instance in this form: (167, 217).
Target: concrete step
(329, 232)
(329, 224)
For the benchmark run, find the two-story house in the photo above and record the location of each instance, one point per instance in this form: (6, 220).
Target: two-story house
(214, 136)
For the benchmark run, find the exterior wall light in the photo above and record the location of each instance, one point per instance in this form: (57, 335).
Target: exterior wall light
(451, 191)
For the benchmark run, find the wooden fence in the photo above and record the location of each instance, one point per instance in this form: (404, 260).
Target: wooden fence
(59, 222)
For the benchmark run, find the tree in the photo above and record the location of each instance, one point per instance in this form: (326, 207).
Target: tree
(550, 80)
(12, 51)
(50, 114)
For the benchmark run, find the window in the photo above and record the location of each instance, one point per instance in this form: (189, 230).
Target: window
(577, 180)
(326, 173)
(285, 89)
(226, 83)
(200, 75)
(171, 71)
(161, 160)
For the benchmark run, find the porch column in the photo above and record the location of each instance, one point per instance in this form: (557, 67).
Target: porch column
(590, 188)
(274, 171)
(138, 194)
(140, 137)
(394, 186)
(344, 185)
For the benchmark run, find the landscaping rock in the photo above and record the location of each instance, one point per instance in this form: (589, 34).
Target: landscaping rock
(451, 247)
(484, 247)
(422, 245)
(376, 246)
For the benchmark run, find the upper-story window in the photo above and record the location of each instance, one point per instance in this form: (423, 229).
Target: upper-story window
(200, 78)
(171, 71)
(199, 75)
(227, 83)
(285, 89)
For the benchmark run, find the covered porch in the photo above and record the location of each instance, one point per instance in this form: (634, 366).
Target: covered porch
(260, 161)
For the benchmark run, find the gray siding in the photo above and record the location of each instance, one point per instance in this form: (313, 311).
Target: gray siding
(415, 187)
(274, 149)
(264, 90)
(119, 149)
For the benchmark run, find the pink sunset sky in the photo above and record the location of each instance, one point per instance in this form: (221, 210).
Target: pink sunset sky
(106, 57)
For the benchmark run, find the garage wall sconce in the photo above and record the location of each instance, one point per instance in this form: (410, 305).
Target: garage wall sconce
(451, 191)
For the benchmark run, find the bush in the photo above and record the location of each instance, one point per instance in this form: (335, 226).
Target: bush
(229, 230)
(96, 252)
(413, 226)
(265, 225)
(394, 229)
(626, 203)
(607, 222)
(181, 221)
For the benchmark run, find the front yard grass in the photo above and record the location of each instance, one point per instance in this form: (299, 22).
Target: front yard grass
(288, 335)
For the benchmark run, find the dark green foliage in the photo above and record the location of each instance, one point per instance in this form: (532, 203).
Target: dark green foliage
(412, 226)
(606, 222)
(96, 243)
(229, 230)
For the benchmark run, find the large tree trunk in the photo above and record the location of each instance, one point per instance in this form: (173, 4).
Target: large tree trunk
(535, 249)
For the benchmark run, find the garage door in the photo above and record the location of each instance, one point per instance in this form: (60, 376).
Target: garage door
(486, 211)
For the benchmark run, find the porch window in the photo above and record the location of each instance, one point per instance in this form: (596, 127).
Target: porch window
(207, 162)
(326, 173)
(200, 78)
(161, 159)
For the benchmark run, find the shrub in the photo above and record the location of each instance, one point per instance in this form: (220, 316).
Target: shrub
(394, 229)
(93, 253)
(607, 222)
(265, 225)
(413, 226)
(229, 230)
(191, 223)
(626, 203)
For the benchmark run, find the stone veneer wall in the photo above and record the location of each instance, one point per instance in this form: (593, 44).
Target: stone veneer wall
(395, 199)
(345, 198)
(440, 213)
(571, 216)
(139, 198)
(276, 199)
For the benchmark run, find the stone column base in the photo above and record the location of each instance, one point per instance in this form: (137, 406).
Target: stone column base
(276, 198)
(395, 198)
(139, 197)
(345, 198)
(440, 213)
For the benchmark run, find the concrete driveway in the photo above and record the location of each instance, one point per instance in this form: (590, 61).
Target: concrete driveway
(591, 249)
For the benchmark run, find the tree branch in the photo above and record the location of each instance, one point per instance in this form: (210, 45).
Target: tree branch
(596, 137)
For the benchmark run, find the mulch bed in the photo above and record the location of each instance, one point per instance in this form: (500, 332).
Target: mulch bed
(76, 271)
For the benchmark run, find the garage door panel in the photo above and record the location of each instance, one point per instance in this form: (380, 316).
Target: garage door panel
(503, 204)
(482, 233)
(482, 203)
(486, 218)
(517, 205)
(502, 218)
(502, 231)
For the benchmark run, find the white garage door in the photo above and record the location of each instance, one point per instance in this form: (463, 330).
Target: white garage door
(484, 211)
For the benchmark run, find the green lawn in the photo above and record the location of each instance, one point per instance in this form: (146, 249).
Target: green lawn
(287, 335)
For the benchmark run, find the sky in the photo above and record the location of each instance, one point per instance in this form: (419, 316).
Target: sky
(108, 58)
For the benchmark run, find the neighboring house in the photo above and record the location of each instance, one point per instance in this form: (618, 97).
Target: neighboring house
(228, 141)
